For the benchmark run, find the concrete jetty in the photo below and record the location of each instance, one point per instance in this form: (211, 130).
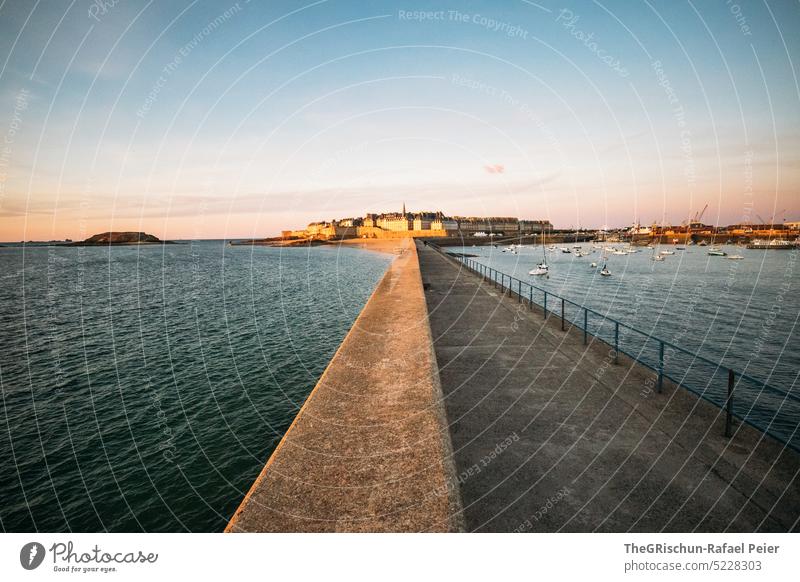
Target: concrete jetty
(369, 449)
(550, 435)
(451, 406)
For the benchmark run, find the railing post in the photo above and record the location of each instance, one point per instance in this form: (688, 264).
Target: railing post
(530, 296)
(545, 305)
(519, 291)
(729, 405)
(562, 314)
(660, 366)
(585, 326)
(616, 342)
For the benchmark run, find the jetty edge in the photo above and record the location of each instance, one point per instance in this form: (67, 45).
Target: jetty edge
(370, 449)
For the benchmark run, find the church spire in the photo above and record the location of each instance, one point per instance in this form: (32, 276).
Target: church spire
(404, 208)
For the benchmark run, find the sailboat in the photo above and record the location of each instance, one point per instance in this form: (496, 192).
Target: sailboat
(736, 256)
(541, 268)
(604, 271)
(716, 251)
(665, 252)
(656, 256)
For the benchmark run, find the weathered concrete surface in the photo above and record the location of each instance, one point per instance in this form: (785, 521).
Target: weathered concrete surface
(369, 450)
(551, 436)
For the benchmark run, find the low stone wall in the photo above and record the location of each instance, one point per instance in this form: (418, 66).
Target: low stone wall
(376, 232)
(369, 450)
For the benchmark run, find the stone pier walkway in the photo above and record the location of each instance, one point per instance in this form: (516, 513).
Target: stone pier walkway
(369, 450)
(549, 435)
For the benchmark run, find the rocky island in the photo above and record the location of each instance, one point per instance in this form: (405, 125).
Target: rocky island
(121, 238)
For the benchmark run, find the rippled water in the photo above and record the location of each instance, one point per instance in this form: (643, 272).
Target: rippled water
(144, 388)
(741, 313)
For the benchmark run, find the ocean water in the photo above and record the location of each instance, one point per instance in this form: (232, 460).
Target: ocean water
(143, 388)
(742, 314)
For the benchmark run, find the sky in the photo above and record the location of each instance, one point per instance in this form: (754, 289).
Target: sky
(196, 119)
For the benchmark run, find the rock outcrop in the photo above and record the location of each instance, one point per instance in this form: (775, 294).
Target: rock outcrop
(121, 238)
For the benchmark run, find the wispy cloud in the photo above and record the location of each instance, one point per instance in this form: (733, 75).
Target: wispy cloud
(495, 168)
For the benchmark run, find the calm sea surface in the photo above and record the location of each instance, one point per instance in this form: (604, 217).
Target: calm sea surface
(741, 313)
(144, 388)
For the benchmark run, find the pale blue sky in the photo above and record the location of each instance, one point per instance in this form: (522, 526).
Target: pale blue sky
(212, 119)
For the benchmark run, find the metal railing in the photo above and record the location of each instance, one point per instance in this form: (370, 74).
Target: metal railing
(771, 410)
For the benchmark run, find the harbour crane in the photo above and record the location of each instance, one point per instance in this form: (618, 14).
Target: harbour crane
(702, 212)
(772, 223)
(696, 217)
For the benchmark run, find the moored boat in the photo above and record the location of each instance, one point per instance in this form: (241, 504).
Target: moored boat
(771, 245)
(541, 269)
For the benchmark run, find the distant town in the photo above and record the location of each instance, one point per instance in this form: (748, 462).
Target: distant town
(418, 224)
(438, 225)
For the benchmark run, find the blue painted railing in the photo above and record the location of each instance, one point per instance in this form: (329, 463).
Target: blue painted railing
(771, 410)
